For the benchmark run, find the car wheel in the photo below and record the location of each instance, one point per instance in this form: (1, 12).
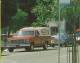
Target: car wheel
(45, 46)
(32, 46)
(53, 45)
(1, 49)
(27, 48)
(10, 49)
(66, 44)
(61, 45)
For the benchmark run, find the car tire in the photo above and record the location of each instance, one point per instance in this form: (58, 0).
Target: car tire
(1, 49)
(11, 49)
(32, 46)
(53, 45)
(61, 45)
(27, 48)
(45, 46)
(66, 45)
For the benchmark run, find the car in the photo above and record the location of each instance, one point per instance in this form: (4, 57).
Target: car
(3, 46)
(55, 40)
(3, 40)
(30, 37)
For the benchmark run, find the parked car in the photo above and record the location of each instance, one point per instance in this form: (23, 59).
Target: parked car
(55, 40)
(3, 46)
(30, 37)
(3, 40)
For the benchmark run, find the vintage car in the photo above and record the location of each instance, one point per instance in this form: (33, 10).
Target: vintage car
(30, 37)
(56, 40)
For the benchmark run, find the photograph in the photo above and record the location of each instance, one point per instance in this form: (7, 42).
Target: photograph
(40, 31)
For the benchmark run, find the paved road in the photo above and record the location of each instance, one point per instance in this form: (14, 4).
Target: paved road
(37, 56)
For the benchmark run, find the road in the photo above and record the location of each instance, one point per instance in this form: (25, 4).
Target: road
(37, 56)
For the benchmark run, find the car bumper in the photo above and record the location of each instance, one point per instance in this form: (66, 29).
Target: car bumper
(18, 45)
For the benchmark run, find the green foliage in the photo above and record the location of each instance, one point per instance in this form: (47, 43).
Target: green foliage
(36, 12)
(27, 5)
(71, 14)
(19, 19)
(35, 24)
(44, 10)
(8, 9)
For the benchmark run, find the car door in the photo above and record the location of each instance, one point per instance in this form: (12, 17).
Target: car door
(38, 39)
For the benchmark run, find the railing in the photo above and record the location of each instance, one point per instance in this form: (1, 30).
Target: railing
(72, 50)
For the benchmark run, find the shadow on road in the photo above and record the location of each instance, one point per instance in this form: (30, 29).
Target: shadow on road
(39, 50)
(4, 55)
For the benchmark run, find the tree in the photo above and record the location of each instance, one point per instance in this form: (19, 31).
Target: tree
(8, 9)
(18, 20)
(45, 10)
(27, 5)
(71, 15)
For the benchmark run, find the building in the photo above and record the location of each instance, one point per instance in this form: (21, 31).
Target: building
(55, 27)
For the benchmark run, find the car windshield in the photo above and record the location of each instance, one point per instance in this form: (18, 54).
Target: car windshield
(23, 33)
